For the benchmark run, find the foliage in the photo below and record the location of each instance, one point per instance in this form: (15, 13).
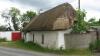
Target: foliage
(12, 16)
(27, 16)
(93, 22)
(2, 39)
(80, 25)
(92, 46)
(3, 28)
(95, 46)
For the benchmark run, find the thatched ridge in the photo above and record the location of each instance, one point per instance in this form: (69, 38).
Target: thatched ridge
(59, 18)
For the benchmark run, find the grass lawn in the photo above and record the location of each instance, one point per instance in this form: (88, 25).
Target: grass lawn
(35, 47)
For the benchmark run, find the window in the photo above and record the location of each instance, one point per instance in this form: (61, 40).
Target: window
(42, 39)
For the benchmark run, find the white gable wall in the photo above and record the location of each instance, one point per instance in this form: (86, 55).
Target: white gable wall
(61, 42)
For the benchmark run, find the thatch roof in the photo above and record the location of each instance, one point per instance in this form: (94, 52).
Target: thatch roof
(25, 23)
(59, 18)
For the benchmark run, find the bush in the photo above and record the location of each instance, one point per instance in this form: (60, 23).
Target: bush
(92, 47)
(80, 26)
(95, 46)
(2, 39)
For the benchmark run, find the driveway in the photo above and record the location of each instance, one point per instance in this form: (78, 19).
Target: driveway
(4, 51)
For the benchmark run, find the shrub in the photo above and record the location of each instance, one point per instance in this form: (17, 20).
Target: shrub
(80, 25)
(95, 46)
(2, 39)
(92, 46)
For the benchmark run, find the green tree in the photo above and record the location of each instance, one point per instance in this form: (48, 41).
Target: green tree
(28, 16)
(3, 28)
(92, 20)
(80, 25)
(12, 16)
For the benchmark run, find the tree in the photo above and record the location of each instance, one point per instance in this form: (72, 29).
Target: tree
(80, 25)
(12, 16)
(3, 28)
(94, 22)
(91, 20)
(28, 16)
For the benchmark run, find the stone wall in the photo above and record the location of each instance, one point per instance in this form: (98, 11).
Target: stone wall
(74, 41)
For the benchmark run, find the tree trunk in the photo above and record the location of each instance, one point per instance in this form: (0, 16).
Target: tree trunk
(14, 23)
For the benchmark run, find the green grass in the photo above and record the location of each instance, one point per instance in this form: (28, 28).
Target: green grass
(95, 46)
(35, 47)
(2, 39)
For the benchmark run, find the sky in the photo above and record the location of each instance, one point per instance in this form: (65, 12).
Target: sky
(90, 6)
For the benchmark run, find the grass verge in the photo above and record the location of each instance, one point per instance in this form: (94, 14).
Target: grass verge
(35, 47)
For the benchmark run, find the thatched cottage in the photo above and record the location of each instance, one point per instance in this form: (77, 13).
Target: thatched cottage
(48, 28)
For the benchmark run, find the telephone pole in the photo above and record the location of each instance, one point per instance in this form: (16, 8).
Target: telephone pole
(79, 4)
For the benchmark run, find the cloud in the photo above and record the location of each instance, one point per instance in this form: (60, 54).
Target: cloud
(91, 6)
(33, 3)
(40, 4)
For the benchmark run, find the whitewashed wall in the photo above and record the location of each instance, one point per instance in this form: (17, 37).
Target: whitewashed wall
(29, 37)
(50, 38)
(7, 35)
(61, 42)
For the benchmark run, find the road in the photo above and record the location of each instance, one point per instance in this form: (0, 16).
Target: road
(96, 54)
(4, 51)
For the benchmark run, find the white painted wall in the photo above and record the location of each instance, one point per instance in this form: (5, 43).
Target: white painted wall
(29, 37)
(6, 35)
(52, 39)
(61, 42)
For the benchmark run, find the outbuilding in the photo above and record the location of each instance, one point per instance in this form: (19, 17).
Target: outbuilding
(48, 28)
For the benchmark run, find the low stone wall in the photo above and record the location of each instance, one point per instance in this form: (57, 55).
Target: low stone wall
(74, 41)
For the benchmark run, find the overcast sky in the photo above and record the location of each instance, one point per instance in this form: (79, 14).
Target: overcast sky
(91, 6)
